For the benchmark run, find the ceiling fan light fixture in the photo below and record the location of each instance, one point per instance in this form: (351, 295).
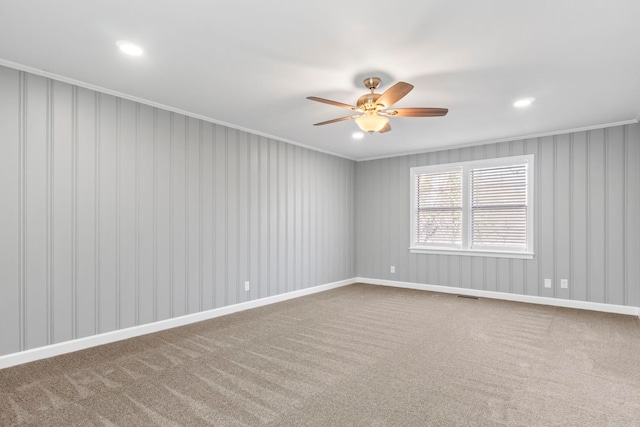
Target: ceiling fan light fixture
(371, 122)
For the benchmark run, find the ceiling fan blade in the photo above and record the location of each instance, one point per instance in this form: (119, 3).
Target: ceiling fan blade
(335, 120)
(394, 94)
(386, 128)
(417, 112)
(334, 103)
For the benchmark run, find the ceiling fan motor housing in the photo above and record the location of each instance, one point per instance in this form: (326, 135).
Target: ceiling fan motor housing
(368, 102)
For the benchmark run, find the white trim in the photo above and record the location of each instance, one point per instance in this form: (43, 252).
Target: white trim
(27, 356)
(556, 302)
(122, 334)
(104, 90)
(474, 252)
(505, 139)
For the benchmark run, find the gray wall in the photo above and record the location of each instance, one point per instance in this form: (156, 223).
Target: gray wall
(587, 219)
(117, 214)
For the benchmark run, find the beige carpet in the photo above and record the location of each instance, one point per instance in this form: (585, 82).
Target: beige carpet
(359, 355)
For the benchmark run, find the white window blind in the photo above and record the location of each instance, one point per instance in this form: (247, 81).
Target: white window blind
(481, 207)
(499, 207)
(439, 208)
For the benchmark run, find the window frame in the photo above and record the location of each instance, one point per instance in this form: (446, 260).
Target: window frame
(465, 246)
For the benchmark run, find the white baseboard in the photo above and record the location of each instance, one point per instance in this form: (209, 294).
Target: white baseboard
(557, 302)
(121, 334)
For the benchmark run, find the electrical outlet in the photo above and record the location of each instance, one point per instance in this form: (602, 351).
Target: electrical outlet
(246, 286)
(564, 283)
(393, 269)
(547, 283)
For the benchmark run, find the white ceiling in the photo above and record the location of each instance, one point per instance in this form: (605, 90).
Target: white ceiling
(251, 64)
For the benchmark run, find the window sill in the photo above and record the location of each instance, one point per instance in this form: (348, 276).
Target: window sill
(487, 253)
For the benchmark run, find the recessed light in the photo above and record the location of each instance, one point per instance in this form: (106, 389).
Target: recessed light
(357, 135)
(129, 48)
(524, 102)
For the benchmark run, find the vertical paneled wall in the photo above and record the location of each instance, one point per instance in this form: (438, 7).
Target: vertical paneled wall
(117, 214)
(587, 220)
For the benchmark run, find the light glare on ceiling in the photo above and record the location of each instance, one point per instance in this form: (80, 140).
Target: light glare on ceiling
(129, 48)
(357, 135)
(524, 102)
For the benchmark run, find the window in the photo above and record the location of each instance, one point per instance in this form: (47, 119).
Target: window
(482, 207)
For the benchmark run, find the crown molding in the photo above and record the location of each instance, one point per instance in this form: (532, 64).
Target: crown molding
(506, 139)
(85, 85)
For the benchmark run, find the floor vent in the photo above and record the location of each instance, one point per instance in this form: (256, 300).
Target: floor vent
(467, 296)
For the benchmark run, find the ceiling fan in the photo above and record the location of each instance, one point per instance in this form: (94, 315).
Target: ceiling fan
(373, 107)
